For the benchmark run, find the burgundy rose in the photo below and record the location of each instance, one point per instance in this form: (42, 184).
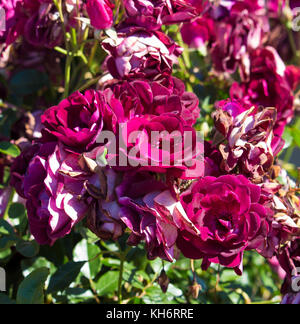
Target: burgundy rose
(37, 20)
(12, 26)
(100, 13)
(138, 195)
(19, 168)
(43, 27)
(137, 53)
(222, 9)
(228, 220)
(78, 120)
(53, 186)
(236, 35)
(212, 160)
(285, 207)
(289, 260)
(163, 144)
(292, 298)
(198, 33)
(266, 84)
(140, 97)
(104, 216)
(152, 14)
(248, 135)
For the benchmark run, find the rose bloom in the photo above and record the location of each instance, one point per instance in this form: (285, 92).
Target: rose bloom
(139, 196)
(160, 144)
(249, 137)
(289, 260)
(228, 220)
(140, 97)
(53, 185)
(137, 53)
(100, 13)
(265, 83)
(291, 298)
(37, 20)
(212, 160)
(104, 216)
(78, 120)
(152, 14)
(222, 9)
(236, 35)
(199, 33)
(13, 25)
(43, 25)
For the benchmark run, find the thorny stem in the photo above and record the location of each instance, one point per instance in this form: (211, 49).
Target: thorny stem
(193, 270)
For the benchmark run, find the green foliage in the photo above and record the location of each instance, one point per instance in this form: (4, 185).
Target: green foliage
(64, 276)
(31, 290)
(9, 149)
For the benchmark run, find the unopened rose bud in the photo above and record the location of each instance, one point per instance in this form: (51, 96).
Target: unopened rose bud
(194, 290)
(163, 281)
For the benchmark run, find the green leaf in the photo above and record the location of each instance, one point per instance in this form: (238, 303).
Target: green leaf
(108, 283)
(64, 276)
(16, 210)
(31, 289)
(94, 265)
(54, 254)
(9, 149)
(28, 249)
(6, 228)
(288, 137)
(7, 235)
(84, 251)
(6, 242)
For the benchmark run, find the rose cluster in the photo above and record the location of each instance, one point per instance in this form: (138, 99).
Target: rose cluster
(232, 201)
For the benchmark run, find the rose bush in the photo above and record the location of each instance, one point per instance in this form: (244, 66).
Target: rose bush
(149, 151)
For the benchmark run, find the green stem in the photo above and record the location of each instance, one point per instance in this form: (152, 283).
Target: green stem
(61, 50)
(121, 278)
(74, 37)
(11, 197)
(92, 55)
(67, 75)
